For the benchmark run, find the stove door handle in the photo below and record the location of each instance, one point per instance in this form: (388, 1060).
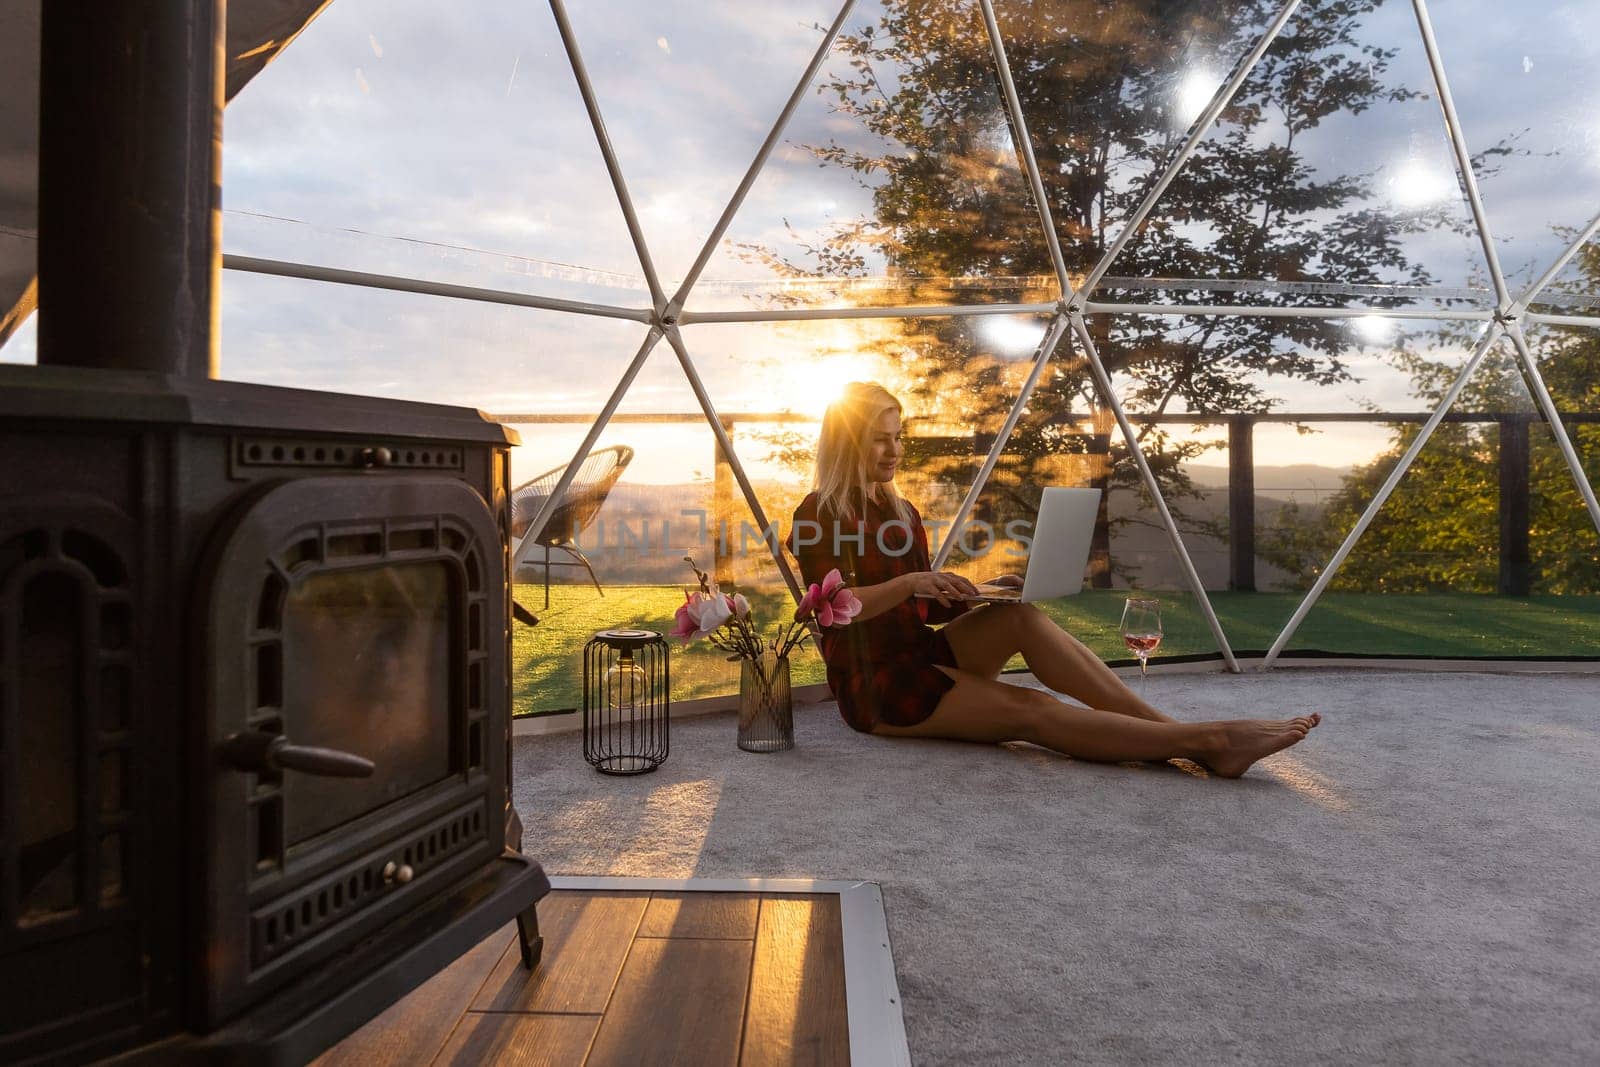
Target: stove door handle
(326, 762)
(260, 752)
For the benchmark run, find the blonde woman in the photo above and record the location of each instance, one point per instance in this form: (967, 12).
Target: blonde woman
(895, 675)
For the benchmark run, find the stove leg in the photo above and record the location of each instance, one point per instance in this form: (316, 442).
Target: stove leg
(528, 935)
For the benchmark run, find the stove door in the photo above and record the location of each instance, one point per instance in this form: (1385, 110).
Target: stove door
(354, 630)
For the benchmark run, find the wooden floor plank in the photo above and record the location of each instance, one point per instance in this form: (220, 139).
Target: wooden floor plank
(797, 1011)
(519, 1040)
(415, 1027)
(728, 915)
(679, 977)
(677, 1002)
(586, 939)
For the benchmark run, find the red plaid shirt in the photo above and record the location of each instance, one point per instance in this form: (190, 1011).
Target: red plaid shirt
(881, 670)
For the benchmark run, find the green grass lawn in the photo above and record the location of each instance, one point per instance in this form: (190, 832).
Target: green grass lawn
(546, 658)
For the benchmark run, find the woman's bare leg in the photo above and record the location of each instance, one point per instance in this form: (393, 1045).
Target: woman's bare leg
(982, 709)
(985, 639)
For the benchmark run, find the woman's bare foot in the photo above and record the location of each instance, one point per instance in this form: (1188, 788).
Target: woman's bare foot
(1240, 742)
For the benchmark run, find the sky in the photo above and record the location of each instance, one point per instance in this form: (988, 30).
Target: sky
(450, 143)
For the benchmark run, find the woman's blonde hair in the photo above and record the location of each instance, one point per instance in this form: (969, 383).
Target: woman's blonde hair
(841, 480)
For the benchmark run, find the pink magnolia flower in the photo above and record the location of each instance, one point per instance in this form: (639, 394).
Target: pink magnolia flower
(830, 601)
(684, 622)
(699, 614)
(738, 605)
(714, 611)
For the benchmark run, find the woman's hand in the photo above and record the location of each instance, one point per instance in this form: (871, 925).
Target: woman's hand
(886, 596)
(941, 585)
(1005, 581)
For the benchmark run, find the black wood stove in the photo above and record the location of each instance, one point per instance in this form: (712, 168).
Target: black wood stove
(254, 642)
(254, 707)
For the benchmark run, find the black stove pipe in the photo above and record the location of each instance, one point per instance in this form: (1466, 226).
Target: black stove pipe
(130, 185)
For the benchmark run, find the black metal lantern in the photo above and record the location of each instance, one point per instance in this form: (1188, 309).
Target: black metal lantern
(626, 701)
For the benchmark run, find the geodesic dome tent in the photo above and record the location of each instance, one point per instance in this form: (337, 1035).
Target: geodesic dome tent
(1307, 287)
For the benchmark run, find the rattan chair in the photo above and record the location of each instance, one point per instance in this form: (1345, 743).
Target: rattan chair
(577, 509)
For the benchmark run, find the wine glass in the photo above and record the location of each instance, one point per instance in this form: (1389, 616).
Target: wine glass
(1141, 631)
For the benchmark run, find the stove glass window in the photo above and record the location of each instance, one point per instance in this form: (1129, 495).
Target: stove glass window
(367, 668)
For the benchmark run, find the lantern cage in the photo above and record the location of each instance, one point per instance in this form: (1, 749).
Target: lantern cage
(626, 701)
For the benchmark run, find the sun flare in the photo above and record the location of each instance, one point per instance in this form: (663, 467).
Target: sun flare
(819, 359)
(809, 386)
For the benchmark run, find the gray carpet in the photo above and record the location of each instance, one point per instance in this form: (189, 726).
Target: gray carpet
(1419, 882)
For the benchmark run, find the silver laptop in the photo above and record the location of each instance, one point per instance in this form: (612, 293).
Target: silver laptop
(1059, 553)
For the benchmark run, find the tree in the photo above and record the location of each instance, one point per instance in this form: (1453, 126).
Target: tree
(1099, 84)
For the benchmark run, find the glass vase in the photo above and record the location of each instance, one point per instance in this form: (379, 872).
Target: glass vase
(766, 709)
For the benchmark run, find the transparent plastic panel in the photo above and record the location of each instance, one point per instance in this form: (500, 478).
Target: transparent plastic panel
(1568, 359)
(1132, 553)
(1443, 570)
(897, 183)
(351, 339)
(1270, 421)
(1306, 505)
(1329, 181)
(1576, 290)
(1438, 532)
(769, 384)
(451, 144)
(1181, 365)
(672, 499)
(1048, 446)
(1523, 80)
(1108, 92)
(689, 91)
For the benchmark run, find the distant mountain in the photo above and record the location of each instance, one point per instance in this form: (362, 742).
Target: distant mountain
(1286, 482)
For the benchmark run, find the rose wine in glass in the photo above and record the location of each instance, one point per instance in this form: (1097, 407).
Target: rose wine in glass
(1141, 632)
